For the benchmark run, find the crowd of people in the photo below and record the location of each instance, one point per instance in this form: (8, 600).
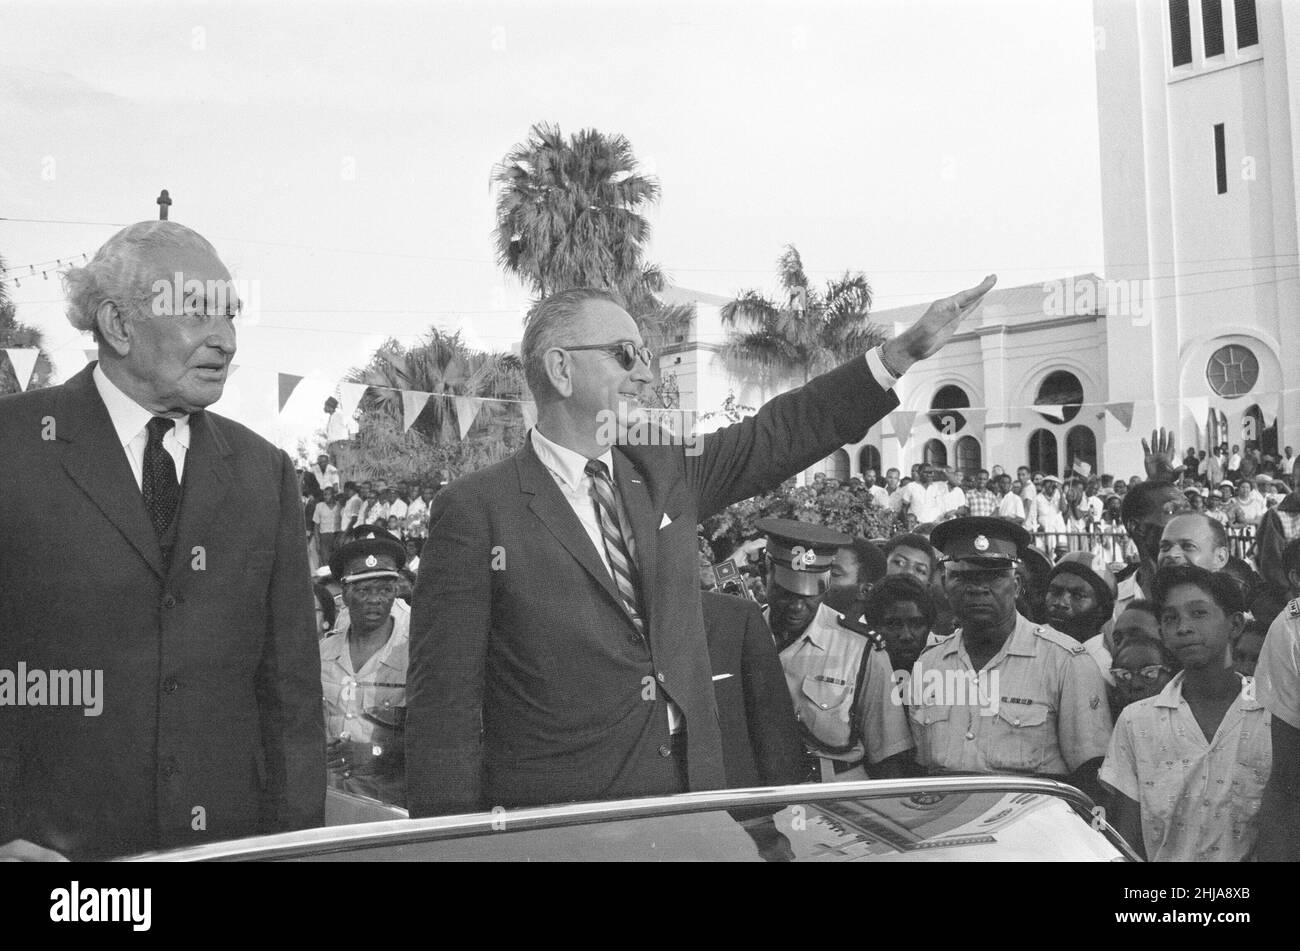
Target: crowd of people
(549, 629)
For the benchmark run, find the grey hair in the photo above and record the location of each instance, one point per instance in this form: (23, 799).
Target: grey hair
(549, 325)
(120, 268)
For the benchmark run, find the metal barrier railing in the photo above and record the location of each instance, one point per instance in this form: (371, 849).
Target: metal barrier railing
(1118, 549)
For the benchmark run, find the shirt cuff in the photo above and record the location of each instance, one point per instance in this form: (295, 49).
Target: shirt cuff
(876, 365)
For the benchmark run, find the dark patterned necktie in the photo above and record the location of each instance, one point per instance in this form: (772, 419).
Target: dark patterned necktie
(620, 559)
(162, 490)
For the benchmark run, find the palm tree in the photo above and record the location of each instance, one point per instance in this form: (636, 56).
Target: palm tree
(569, 215)
(443, 364)
(16, 334)
(568, 211)
(805, 331)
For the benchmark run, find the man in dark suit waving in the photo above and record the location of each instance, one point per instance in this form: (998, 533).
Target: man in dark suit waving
(557, 646)
(158, 550)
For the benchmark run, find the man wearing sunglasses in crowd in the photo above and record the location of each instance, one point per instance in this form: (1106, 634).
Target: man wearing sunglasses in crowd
(558, 650)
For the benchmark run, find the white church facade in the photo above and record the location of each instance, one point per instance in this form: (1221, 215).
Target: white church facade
(1195, 323)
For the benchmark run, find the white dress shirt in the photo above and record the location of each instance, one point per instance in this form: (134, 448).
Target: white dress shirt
(129, 420)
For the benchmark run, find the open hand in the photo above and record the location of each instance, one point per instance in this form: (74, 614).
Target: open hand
(1160, 457)
(925, 337)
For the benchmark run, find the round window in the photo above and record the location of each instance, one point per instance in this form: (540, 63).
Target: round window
(1232, 370)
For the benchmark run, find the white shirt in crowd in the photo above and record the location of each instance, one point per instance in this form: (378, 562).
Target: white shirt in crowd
(327, 478)
(129, 420)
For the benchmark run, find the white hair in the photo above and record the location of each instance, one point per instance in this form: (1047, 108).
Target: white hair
(121, 269)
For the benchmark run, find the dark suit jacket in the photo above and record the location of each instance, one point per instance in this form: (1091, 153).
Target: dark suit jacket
(527, 684)
(761, 745)
(211, 724)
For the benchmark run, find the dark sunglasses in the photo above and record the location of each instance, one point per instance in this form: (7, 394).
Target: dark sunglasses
(625, 352)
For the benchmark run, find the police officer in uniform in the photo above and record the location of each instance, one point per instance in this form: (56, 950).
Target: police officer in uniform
(1002, 694)
(838, 678)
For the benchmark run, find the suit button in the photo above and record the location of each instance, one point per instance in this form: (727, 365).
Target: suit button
(970, 736)
(170, 685)
(660, 677)
(665, 750)
(168, 601)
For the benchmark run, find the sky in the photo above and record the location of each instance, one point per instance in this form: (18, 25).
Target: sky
(339, 156)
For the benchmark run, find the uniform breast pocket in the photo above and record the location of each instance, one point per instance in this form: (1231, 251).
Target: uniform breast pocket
(1023, 737)
(824, 708)
(929, 726)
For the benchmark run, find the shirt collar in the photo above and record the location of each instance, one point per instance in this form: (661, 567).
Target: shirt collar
(569, 466)
(824, 621)
(129, 417)
(1020, 641)
(1172, 695)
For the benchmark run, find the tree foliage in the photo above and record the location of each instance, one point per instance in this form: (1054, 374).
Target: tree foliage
(803, 331)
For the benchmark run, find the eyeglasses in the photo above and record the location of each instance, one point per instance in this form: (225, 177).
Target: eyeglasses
(1150, 674)
(624, 351)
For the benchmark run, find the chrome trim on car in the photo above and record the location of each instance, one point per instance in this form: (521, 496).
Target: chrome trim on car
(328, 839)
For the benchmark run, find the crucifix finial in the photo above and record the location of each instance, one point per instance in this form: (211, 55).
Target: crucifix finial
(164, 201)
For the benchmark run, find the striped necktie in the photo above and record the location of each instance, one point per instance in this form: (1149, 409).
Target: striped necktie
(620, 559)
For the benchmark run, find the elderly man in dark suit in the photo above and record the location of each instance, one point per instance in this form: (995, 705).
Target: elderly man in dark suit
(160, 546)
(558, 649)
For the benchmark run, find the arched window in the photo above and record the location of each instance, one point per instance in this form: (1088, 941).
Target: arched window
(869, 458)
(968, 455)
(1081, 446)
(936, 453)
(1042, 452)
(948, 398)
(1061, 390)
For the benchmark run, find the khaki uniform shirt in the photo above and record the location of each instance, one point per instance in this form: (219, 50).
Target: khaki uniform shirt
(821, 670)
(1038, 706)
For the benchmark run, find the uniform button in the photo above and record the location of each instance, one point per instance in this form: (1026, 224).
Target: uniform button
(970, 736)
(348, 715)
(168, 601)
(1017, 723)
(823, 705)
(665, 750)
(170, 685)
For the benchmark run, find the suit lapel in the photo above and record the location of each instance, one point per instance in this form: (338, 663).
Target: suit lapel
(96, 461)
(205, 483)
(550, 505)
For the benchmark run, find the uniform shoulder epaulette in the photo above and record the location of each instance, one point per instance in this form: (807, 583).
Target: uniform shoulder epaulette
(874, 639)
(1060, 640)
(1293, 608)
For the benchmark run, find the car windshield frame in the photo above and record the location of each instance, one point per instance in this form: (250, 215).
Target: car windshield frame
(327, 840)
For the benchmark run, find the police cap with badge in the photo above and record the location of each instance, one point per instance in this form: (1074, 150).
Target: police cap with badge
(369, 552)
(800, 554)
(980, 542)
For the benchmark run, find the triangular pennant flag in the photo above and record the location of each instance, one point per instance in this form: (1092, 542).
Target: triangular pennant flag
(91, 355)
(530, 415)
(412, 405)
(287, 384)
(23, 360)
(902, 420)
(467, 408)
(230, 371)
(1122, 412)
(1052, 410)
